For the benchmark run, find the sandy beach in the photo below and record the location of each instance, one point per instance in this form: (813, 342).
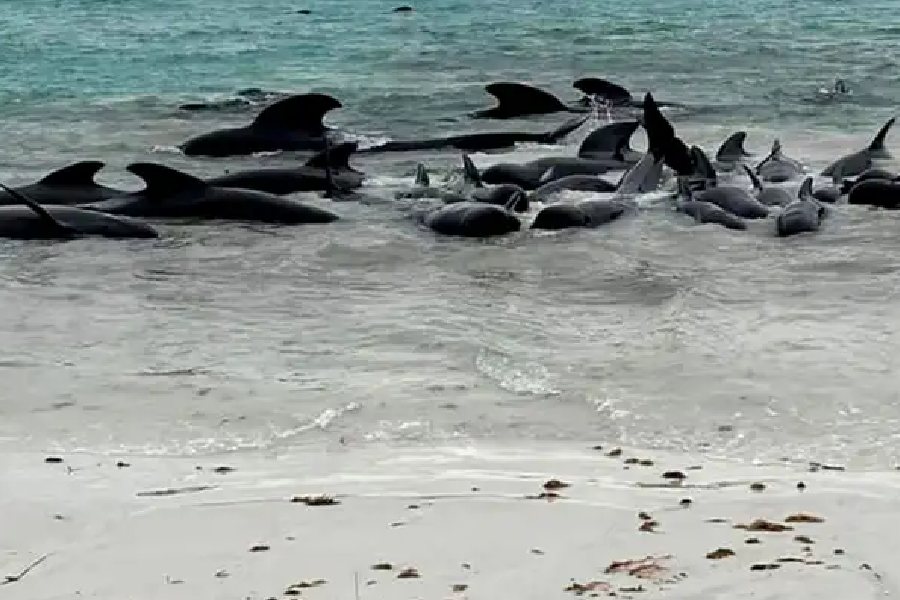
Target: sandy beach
(552, 521)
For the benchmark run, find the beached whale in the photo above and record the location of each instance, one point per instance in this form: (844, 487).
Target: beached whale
(861, 160)
(473, 142)
(291, 124)
(173, 194)
(73, 184)
(308, 177)
(473, 219)
(802, 215)
(29, 220)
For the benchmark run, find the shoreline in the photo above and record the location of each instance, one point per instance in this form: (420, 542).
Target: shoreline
(162, 528)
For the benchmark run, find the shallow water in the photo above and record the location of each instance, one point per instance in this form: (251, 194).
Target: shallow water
(653, 331)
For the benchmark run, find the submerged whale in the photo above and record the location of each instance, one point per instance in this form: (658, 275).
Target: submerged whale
(30, 221)
(587, 213)
(173, 194)
(473, 142)
(291, 124)
(311, 176)
(73, 184)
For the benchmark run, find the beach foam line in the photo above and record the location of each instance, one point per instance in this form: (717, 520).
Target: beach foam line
(476, 521)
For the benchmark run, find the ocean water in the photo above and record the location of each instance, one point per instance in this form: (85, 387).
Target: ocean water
(653, 331)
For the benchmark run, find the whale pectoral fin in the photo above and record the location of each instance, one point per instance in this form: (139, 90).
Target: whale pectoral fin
(302, 113)
(565, 129)
(422, 176)
(878, 142)
(80, 173)
(753, 178)
(162, 181)
(602, 88)
(338, 156)
(470, 172)
(520, 99)
(611, 138)
(547, 175)
(514, 200)
(41, 212)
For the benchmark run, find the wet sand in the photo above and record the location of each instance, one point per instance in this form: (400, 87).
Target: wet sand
(551, 521)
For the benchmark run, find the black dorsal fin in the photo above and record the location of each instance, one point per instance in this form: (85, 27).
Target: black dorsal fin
(422, 179)
(702, 166)
(300, 113)
(80, 173)
(339, 156)
(878, 142)
(162, 181)
(753, 178)
(470, 171)
(41, 212)
(733, 146)
(602, 89)
(608, 139)
(660, 132)
(520, 99)
(806, 190)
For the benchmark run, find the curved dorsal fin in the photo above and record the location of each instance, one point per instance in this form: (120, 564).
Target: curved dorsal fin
(733, 146)
(756, 182)
(40, 211)
(547, 176)
(422, 176)
(806, 190)
(602, 88)
(339, 156)
(80, 173)
(609, 139)
(162, 181)
(514, 99)
(563, 130)
(878, 142)
(470, 171)
(837, 175)
(701, 163)
(300, 113)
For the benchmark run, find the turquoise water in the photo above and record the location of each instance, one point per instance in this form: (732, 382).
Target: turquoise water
(652, 332)
(754, 61)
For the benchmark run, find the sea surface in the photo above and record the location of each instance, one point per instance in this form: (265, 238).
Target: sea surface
(653, 332)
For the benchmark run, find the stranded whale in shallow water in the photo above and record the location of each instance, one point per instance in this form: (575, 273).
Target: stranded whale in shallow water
(472, 142)
(802, 215)
(308, 177)
(30, 221)
(172, 194)
(291, 124)
(857, 162)
(474, 219)
(73, 184)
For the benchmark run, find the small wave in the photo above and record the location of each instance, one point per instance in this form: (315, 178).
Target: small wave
(166, 149)
(519, 378)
